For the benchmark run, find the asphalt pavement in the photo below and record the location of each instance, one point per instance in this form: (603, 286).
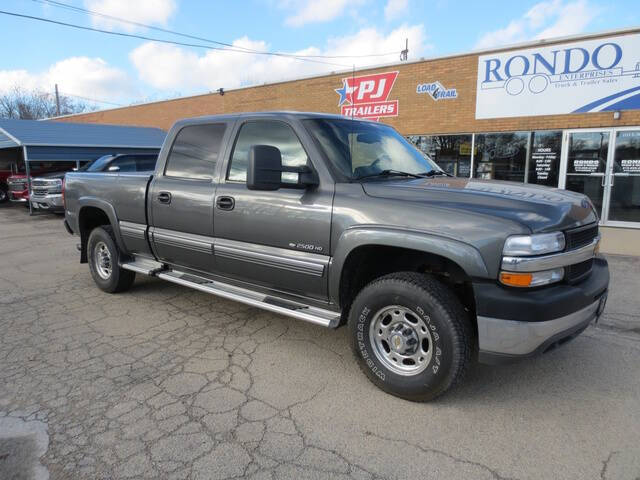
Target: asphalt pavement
(166, 382)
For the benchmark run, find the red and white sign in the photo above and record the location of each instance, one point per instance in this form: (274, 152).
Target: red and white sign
(367, 96)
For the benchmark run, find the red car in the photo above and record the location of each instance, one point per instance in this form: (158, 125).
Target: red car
(18, 190)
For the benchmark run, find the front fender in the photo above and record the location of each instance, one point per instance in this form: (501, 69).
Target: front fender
(464, 255)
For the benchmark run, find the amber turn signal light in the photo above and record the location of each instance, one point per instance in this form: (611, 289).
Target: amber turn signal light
(516, 279)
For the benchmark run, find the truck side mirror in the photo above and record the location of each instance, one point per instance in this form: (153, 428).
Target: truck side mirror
(266, 172)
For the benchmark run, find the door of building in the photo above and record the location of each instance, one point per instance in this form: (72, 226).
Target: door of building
(604, 164)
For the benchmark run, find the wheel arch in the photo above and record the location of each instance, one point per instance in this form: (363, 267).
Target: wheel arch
(366, 254)
(94, 213)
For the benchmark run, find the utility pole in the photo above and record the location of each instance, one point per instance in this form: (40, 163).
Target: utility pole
(405, 53)
(57, 102)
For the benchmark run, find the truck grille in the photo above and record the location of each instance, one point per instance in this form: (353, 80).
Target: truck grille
(576, 238)
(17, 186)
(577, 272)
(579, 237)
(41, 187)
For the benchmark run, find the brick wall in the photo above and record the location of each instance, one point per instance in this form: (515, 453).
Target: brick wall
(418, 114)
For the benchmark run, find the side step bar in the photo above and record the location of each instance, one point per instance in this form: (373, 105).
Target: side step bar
(307, 313)
(143, 265)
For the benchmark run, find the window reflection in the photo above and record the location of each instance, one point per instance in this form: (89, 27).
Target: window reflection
(452, 153)
(501, 156)
(276, 134)
(194, 152)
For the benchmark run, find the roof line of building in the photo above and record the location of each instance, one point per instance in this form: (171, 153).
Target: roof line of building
(513, 46)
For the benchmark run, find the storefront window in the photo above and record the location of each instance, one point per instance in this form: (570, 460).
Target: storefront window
(451, 152)
(501, 156)
(544, 160)
(586, 164)
(625, 184)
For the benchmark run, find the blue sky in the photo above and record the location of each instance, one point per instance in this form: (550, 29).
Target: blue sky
(125, 70)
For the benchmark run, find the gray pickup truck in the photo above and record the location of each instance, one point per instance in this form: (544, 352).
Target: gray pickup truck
(338, 221)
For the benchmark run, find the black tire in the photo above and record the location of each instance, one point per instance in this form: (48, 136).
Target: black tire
(428, 308)
(4, 194)
(113, 279)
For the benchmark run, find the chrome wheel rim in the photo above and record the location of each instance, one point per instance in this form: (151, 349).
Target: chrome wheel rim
(401, 340)
(102, 260)
(3, 195)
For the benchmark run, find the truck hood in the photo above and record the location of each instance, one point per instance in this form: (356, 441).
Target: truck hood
(536, 207)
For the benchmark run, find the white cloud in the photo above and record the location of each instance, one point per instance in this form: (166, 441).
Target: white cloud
(315, 11)
(545, 19)
(395, 8)
(170, 68)
(141, 11)
(84, 76)
(573, 18)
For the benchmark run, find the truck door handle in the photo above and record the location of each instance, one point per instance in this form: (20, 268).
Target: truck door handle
(225, 203)
(164, 197)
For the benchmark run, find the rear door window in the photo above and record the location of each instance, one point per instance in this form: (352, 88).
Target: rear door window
(195, 152)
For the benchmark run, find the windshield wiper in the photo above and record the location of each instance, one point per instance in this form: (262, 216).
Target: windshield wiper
(390, 173)
(433, 173)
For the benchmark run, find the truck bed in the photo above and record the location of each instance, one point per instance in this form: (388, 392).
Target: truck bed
(124, 194)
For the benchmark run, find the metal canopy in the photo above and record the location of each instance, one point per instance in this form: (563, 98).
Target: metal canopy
(49, 141)
(16, 133)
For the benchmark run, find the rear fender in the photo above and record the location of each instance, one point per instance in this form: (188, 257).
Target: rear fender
(107, 208)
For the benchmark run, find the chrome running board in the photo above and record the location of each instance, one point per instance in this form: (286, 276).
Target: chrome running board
(318, 316)
(143, 265)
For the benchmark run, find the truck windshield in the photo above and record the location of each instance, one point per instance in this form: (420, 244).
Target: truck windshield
(96, 165)
(366, 149)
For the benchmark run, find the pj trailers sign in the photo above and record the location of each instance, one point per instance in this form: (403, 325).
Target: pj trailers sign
(589, 76)
(367, 96)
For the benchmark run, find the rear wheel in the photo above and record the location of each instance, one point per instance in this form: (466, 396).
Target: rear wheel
(411, 335)
(104, 262)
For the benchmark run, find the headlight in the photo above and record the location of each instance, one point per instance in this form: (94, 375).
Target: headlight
(531, 279)
(537, 244)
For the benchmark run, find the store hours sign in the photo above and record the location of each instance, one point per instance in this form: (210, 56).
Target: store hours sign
(586, 76)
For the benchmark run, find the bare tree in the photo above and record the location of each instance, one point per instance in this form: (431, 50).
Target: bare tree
(36, 104)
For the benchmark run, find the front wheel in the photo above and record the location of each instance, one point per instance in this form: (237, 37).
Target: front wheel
(4, 194)
(410, 335)
(104, 258)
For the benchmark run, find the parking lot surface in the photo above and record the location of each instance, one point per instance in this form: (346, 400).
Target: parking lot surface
(167, 382)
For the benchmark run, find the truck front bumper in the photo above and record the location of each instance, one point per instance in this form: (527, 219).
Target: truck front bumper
(19, 197)
(51, 202)
(514, 323)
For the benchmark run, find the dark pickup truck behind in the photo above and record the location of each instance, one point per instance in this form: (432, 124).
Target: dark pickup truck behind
(336, 221)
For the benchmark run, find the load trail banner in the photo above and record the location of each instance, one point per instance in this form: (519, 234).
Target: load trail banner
(579, 77)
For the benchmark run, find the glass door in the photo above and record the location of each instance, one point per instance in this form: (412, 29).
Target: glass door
(586, 153)
(624, 182)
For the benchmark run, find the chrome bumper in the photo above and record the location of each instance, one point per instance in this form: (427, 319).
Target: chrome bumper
(47, 202)
(511, 338)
